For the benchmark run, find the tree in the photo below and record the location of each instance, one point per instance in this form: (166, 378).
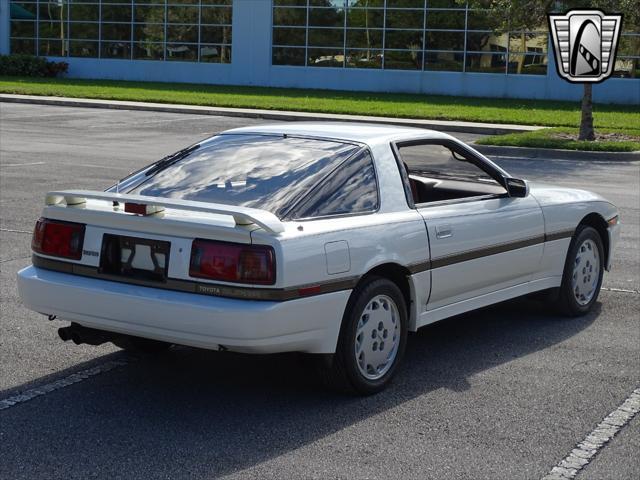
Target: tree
(530, 14)
(631, 13)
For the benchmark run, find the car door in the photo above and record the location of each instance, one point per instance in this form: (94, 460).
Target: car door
(481, 242)
(479, 247)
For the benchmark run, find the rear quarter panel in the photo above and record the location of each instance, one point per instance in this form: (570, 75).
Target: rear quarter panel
(393, 234)
(372, 240)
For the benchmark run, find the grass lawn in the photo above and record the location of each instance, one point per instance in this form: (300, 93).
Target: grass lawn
(608, 140)
(530, 112)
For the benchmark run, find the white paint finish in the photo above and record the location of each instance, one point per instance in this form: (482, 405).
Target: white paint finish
(481, 276)
(420, 285)
(315, 251)
(614, 237)
(480, 301)
(565, 207)
(444, 230)
(172, 223)
(482, 223)
(551, 195)
(475, 225)
(373, 240)
(392, 194)
(337, 256)
(308, 324)
(553, 259)
(561, 217)
(349, 131)
(241, 215)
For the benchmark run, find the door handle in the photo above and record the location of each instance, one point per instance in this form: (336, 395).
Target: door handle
(444, 231)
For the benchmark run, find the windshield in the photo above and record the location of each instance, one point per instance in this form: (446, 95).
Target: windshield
(260, 171)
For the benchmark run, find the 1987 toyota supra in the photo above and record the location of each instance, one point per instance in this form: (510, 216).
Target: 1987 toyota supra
(333, 239)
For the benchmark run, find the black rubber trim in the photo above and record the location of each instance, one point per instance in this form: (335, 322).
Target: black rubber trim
(559, 235)
(290, 293)
(202, 288)
(500, 248)
(485, 252)
(419, 267)
(486, 165)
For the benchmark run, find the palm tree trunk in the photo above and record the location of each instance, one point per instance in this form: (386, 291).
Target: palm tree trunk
(61, 30)
(586, 122)
(366, 26)
(523, 57)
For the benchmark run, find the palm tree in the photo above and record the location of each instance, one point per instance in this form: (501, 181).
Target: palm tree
(531, 14)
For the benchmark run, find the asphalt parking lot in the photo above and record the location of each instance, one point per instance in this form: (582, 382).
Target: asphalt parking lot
(504, 393)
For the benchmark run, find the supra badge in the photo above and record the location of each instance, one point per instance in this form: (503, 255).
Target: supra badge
(585, 44)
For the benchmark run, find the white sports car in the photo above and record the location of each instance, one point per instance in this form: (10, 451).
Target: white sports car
(330, 239)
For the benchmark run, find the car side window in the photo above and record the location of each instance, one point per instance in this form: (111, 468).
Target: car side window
(351, 188)
(440, 171)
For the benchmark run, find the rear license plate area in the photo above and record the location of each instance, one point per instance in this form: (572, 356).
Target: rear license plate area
(135, 258)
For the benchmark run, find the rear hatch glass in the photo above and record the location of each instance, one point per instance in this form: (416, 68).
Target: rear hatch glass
(259, 171)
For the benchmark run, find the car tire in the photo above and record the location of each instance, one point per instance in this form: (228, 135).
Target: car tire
(372, 340)
(583, 271)
(141, 345)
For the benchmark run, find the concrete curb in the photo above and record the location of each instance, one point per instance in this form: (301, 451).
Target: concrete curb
(442, 125)
(555, 154)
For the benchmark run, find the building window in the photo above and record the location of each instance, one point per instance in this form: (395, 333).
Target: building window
(628, 59)
(171, 30)
(443, 35)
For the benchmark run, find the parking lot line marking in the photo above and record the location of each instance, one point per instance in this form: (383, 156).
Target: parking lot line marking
(621, 290)
(93, 165)
(63, 382)
(14, 259)
(588, 448)
(21, 164)
(10, 230)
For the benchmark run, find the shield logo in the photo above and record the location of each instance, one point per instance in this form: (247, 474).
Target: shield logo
(585, 44)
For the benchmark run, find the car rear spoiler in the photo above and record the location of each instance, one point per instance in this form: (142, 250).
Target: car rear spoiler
(241, 215)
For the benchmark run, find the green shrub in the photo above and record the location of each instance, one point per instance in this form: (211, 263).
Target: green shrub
(30, 66)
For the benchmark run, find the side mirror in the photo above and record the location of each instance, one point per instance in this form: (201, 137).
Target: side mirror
(516, 187)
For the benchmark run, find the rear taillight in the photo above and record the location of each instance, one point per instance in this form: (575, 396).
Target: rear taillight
(232, 262)
(58, 239)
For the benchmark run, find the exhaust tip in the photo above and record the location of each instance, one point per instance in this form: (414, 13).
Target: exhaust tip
(64, 333)
(81, 335)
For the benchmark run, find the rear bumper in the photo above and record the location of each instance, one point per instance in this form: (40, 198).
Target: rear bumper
(308, 325)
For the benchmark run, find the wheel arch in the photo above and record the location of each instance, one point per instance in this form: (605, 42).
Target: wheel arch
(401, 276)
(599, 224)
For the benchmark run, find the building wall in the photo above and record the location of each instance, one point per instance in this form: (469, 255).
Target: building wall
(252, 65)
(4, 27)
